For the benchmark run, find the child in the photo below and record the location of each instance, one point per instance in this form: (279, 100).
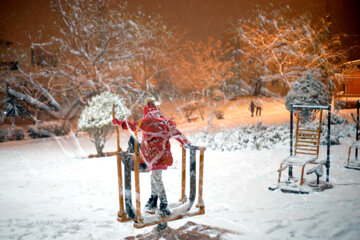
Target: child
(155, 150)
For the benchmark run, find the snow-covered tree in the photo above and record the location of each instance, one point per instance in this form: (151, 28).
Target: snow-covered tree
(95, 42)
(152, 63)
(103, 46)
(96, 118)
(275, 48)
(33, 87)
(308, 90)
(200, 69)
(201, 65)
(97, 46)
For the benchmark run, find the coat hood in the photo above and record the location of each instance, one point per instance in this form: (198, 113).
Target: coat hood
(151, 109)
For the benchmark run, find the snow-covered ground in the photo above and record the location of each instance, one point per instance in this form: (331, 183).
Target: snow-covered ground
(49, 190)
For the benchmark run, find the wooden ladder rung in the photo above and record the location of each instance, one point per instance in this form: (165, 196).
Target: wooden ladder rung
(307, 149)
(299, 137)
(309, 130)
(306, 153)
(305, 145)
(316, 143)
(308, 134)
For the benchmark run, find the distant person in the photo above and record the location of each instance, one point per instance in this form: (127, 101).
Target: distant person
(252, 108)
(258, 108)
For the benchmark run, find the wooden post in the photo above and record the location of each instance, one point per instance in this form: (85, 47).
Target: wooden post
(121, 214)
(302, 175)
(183, 175)
(280, 170)
(136, 158)
(117, 131)
(137, 188)
(357, 129)
(201, 177)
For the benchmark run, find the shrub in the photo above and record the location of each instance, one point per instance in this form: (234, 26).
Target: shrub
(308, 91)
(62, 128)
(260, 136)
(49, 129)
(336, 119)
(96, 118)
(16, 133)
(3, 134)
(37, 132)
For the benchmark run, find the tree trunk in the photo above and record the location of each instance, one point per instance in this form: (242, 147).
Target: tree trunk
(99, 144)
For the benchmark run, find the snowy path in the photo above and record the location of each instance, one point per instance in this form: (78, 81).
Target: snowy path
(46, 193)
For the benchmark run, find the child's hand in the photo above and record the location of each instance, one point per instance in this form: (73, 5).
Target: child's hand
(117, 122)
(187, 145)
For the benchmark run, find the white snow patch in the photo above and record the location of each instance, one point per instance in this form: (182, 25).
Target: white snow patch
(46, 193)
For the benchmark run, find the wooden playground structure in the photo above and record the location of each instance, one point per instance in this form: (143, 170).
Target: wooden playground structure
(131, 161)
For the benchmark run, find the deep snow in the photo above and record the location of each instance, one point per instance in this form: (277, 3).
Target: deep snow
(49, 190)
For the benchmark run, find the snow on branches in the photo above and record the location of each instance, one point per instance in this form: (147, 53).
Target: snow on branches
(276, 48)
(97, 46)
(201, 65)
(102, 44)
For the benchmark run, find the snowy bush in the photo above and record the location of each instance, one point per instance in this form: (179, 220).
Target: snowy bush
(96, 118)
(336, 119)
(3, 134)
(308, 91)
(49, 129)
(246, 137)
(338, 131)
(16, 133)
(265, 137)
(341, 129)
(8, 133)
(39, 131)
(62, 128)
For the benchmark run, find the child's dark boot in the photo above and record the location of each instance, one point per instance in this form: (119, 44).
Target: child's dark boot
(164, 210)
(151, 205)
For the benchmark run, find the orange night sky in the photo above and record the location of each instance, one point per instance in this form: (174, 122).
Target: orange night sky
(197, 19)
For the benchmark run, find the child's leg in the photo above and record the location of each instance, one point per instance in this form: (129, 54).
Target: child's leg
(151, 204)
(157, 185)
